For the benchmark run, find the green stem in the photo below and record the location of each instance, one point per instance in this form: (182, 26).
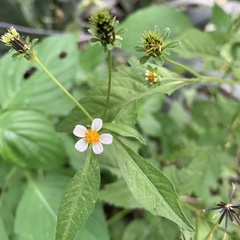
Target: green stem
(118, 216)
(6, 183)
(109, 82)
(182, 66)
(218, 80)
(63, 88)
(210, 234)
(199, 78)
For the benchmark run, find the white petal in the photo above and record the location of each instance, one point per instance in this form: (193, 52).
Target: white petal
(106, 138)
(97, 124)
(81, 145)
(97, 148)
(79, 131)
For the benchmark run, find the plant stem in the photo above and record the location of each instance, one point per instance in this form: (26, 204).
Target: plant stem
(109, 82)
(182, 66)
(63, 88)
(210, 234)
(199, 78)
(118, 216)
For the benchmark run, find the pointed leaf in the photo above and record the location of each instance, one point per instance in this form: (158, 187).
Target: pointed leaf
(150, 186)
(79, 200)
(195, 43)
(183, 178)
(172, 44)
(125, 131)
(139, 48)
(128, 85)
(165, 34)
(144, 59)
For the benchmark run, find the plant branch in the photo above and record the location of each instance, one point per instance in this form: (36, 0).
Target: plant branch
(109, 82)
(182, 66)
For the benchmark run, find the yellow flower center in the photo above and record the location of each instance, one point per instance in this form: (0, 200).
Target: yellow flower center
(151, 77)
(92, 137)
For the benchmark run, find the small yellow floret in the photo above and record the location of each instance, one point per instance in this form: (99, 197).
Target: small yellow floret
(151, 77)
(92, 137)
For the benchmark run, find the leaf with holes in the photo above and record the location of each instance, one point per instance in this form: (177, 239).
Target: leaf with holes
(25, 85)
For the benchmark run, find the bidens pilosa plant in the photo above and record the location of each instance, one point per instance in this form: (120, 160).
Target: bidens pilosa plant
(107, 115)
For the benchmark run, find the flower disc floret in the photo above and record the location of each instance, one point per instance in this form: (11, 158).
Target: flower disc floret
(151, 77)
(23, 46)
(91, 136)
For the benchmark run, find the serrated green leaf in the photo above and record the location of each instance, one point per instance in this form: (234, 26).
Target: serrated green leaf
(28, 139)
(127, 114)
(150, 186)
(125, 131)
(79, 200)
(38, 91)
(37, 211)
(195, 43)
(183, 178)
(121, 198)
(128, 86)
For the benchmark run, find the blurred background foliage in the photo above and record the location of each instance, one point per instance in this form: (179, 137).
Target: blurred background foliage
(193, 135)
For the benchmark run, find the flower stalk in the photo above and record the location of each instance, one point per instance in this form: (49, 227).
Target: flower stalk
(109, 82)
(25, 49)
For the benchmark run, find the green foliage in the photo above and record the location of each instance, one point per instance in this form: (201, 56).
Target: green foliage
(28, 139)
(127, 87)
(175, 142)
(150, 186)
(124, 197)
(38, 206)
(155, 15)
(75, 208)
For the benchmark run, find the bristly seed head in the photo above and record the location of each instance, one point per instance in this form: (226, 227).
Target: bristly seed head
(23, 47)
(103, 27)
(227, 211)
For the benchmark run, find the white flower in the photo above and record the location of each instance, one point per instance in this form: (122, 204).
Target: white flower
(91, 136)
(151, 77)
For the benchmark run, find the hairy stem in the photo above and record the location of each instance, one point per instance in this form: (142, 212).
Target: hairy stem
(182, 66)
(109, 82)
